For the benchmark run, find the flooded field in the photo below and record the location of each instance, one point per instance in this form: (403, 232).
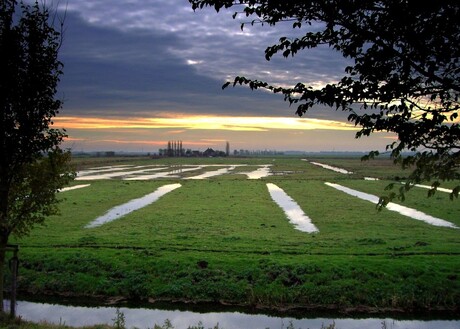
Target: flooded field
(294, 213)
(142, 172)
(270, 233)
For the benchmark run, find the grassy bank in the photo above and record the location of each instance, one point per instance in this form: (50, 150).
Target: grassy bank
(224, 240)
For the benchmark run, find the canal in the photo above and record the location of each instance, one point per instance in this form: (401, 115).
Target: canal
(144, 318)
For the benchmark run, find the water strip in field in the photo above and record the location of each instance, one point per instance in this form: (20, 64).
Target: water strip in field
(336, 169)
(440, 189)
(103, 169)
(292, 210)
(263, 171)
(152, 176)
(409, 212)
(119, 173)
(213, 173)
(65, 189)
(371, 178)
(111, 167)
(124, 209)
(174, 173)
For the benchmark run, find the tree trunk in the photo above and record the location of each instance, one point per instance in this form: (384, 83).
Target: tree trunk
(3, 243)
(4, 207)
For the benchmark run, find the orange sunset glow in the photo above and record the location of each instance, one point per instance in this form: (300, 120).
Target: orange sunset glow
(203, 123)
(204, 131)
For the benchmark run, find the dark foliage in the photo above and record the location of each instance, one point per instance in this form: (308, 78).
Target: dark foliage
(32, 166)
(405, 76)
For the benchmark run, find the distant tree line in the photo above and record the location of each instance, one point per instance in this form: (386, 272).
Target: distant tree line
(175, 149)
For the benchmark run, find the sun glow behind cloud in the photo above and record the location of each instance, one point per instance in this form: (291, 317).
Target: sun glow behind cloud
(204, 131)
(203, 123)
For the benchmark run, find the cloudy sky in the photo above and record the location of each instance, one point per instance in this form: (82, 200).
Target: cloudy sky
(138, 73)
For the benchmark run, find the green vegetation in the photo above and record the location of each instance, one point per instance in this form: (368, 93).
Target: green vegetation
(224, 240)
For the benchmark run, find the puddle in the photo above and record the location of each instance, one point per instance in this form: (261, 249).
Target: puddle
(73, 187)
(119, 173)
(143, 318)
(336, 169)
(120, 211)
(292, 210)
(213, 173)
(409, 212)
(258, 173)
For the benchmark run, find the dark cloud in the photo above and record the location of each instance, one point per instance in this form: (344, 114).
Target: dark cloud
(124, 73)
(148, 58)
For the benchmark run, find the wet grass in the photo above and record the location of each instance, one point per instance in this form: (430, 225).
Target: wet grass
(225, 240)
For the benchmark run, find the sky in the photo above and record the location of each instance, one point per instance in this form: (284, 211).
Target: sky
(140, 73)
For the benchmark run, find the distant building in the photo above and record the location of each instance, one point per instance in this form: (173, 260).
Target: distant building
(209, 153)
(175, 149)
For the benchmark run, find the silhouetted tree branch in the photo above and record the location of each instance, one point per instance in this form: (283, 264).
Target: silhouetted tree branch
(405, 76)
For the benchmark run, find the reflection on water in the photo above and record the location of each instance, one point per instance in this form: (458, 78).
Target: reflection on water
(370, 178)
(147, 318)
(132, 205)
(325, 166)
(152, 176)
(174, 171)
(292, 210)
(110, 175)
(440, 189)
(409, 212)
(102, 169)
(213, 173)
(75, 187)
(259, 173)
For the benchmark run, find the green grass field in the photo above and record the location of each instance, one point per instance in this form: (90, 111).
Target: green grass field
(224, 240)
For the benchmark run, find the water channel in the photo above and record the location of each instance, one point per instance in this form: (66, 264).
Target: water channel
(292, 210)
(143, 318)
(120, 211)
(409, 212)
